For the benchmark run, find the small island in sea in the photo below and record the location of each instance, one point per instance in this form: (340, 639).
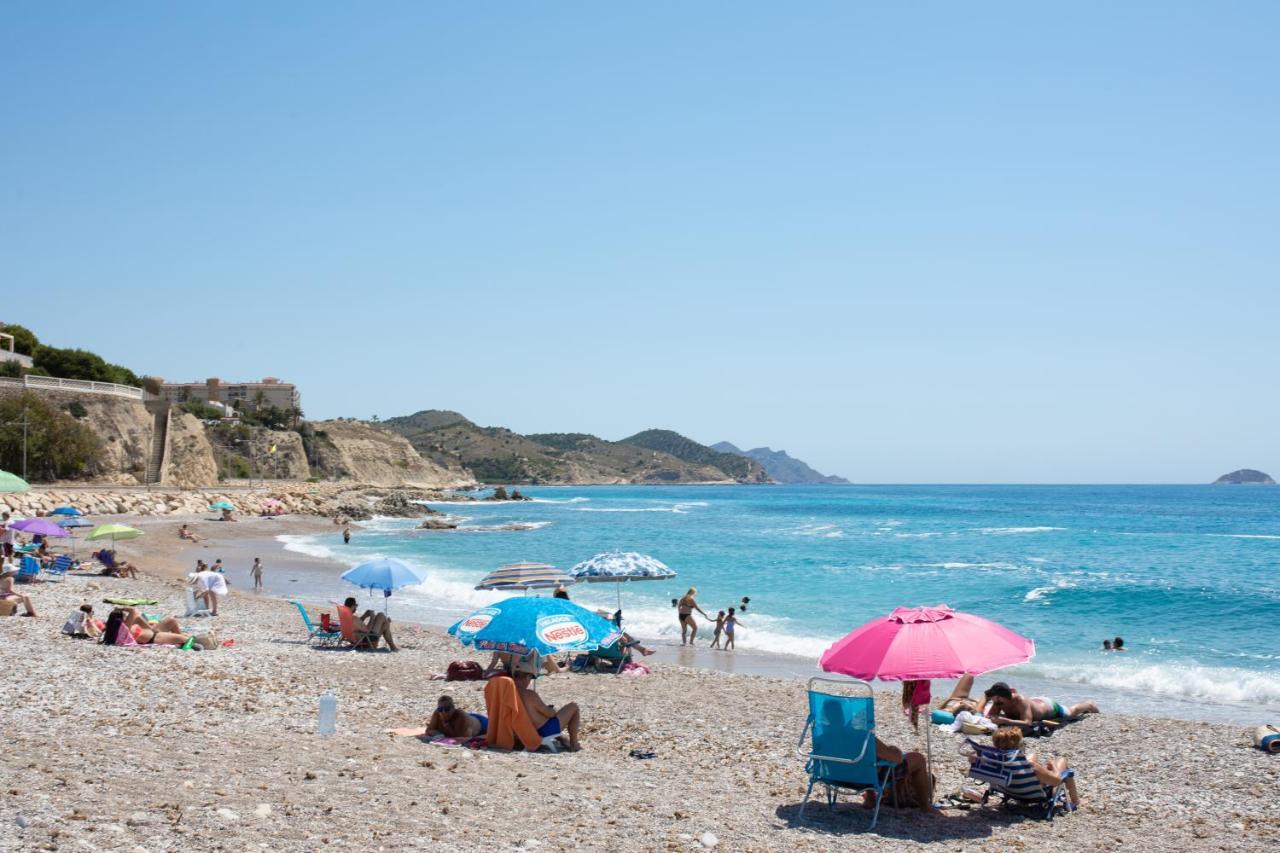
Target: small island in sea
(1245, 476)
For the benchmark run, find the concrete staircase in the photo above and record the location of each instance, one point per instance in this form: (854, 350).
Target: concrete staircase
(159, 436)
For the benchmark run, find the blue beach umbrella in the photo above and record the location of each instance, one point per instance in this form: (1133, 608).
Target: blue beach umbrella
(621, 567)
(384, 573)
(66, 510)
(543, 626)
(74, 523)
(222, 505)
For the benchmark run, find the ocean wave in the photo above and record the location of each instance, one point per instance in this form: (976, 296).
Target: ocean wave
(1243, 535)
(510, 525)
(1182, 680)
(922, 535)
(553, 501)
(306, 543)
(680, 508)
(1010, 531)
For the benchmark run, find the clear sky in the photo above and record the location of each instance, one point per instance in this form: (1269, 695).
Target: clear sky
(928, 242)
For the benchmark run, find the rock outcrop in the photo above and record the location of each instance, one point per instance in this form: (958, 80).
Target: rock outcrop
(379, 457)
(189, 461)
(1245, 476)
(123, 428)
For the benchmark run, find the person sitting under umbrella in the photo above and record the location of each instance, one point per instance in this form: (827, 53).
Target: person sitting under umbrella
(546, 718)
(910, 780)
(370, 627)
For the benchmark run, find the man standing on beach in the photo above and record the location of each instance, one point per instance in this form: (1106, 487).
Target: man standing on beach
(346, 536)
(256, 571)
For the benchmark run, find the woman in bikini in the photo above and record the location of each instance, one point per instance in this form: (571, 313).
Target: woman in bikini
(685, 608)
(166, 632)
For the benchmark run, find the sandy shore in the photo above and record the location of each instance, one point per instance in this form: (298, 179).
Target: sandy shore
(157, 749)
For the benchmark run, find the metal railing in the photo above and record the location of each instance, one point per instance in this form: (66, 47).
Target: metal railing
(81, 386)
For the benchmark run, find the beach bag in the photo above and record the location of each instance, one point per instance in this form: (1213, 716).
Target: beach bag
(1267, 739)
(464, 670)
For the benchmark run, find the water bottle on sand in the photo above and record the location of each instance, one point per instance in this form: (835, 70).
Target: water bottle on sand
(328, 713)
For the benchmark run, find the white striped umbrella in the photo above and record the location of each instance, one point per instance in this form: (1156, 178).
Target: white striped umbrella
(525, 576)
(621, 567)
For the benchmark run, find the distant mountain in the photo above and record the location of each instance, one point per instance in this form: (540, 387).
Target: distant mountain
(741, 468)
(780, 466)
(1245, 476)
(498, 455)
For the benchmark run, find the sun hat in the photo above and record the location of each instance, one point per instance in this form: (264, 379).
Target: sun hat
(526, 664)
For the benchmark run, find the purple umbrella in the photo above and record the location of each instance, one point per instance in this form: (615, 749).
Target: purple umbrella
(39, 527)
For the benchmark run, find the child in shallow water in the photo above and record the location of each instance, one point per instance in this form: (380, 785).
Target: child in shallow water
(715, 642)
(730, 623)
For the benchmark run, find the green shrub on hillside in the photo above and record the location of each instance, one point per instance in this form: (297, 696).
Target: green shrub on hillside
(82, 364)
(58, 446)
(24, 340)
(201, 410)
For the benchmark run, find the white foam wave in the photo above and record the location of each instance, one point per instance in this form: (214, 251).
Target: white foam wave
(1243, 536)
(553, 501)
(1009, 531)
(923, 535)
(1183, 680)
(1004, 567)
(680, 508)
(306, 544)
(510, 525)
(759, 632)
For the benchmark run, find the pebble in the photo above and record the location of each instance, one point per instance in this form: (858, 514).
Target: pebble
(263, 810)
(22, 821)
(228, 815)
(708, 839)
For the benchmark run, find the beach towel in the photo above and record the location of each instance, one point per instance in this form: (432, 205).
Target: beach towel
(131, 602)
(124, 636)
(507, 718)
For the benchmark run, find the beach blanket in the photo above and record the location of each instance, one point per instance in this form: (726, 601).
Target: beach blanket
(507, 718)
(131, 602)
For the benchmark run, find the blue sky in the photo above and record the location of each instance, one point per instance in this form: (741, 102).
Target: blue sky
(943, 243)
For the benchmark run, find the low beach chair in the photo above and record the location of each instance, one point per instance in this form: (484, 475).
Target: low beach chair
(1008, 772)
(29, 571)
(325, 638)
(841, 728)
(60, 566)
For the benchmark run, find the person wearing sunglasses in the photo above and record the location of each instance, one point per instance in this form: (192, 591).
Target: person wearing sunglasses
(449, 721)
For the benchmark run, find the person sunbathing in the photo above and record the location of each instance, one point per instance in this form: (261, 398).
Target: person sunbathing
(910, 779)
(450, 721)
(546, 718)
(81, 625)
(959, 700)
(126, 618)
(7, 592)
(1048, 773)
(370, 627)
(1007, 707)
(185, 533)
(628, 642)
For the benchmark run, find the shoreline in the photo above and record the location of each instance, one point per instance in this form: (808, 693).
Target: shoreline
(255, 536)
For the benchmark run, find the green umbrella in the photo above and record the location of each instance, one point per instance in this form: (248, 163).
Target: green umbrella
(114, 532)
(12, 483)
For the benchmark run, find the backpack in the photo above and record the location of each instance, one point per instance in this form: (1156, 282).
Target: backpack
(464, 670)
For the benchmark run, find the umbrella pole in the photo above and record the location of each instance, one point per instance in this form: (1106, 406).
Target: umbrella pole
(928, 749)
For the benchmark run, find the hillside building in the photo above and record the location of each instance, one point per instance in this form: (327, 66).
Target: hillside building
(243, 396)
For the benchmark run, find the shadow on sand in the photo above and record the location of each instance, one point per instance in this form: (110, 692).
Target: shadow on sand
(850, 818)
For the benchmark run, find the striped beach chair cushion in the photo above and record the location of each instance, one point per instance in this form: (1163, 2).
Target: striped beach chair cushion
(1008, 771)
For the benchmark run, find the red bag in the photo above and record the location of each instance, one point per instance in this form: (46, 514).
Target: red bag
(464, 670)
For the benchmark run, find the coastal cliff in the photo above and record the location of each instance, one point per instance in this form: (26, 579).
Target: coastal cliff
(370, 454)
(780, 466)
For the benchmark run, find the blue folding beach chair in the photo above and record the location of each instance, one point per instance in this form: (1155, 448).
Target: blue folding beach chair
(325, 638)
(842, 741)
(29, 571)
(1008, 772)
(60, 566)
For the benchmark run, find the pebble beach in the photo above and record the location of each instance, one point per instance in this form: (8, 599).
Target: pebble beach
(158, 749)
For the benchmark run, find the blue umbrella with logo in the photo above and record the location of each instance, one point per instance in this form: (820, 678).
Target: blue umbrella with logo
(66, 510)
(543, 626)
(384, 573)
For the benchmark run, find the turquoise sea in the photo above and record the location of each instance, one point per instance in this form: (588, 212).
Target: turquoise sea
(1188, 575)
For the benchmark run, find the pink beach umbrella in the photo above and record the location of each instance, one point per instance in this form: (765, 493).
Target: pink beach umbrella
(920, 643)
(914, 643)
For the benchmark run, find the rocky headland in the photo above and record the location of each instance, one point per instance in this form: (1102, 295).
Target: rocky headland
(1245, 476)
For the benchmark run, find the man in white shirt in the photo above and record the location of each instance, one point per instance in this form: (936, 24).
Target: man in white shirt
(208, 586)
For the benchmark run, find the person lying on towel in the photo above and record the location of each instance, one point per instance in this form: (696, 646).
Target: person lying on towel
(1008, 707)
(451, 721)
